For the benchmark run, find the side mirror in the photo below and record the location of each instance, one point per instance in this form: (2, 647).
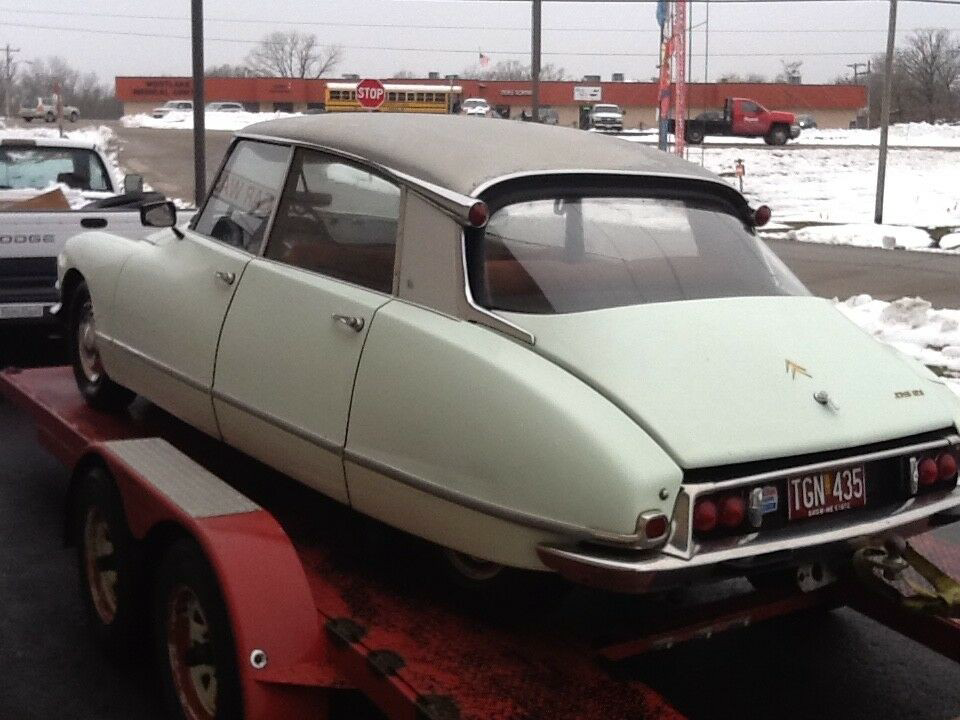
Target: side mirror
(132, 184)
(160, 215)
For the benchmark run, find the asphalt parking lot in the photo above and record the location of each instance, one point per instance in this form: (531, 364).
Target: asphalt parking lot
(815, 666)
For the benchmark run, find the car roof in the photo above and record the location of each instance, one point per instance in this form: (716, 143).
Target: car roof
(7, 141)
(462, 155)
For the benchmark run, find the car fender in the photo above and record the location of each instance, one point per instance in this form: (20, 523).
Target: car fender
(452, 409)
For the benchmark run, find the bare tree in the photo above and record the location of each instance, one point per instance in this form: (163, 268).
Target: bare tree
(514, 70)
(228, 70)
(931, 64)
(293, 55)
(39, 77)
(790, 72)
(738, 78)
(404, 74)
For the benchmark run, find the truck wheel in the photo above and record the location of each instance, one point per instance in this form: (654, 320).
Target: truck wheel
(111, 572)
(778, 136)
(51, 117)
(27, 119)
(694, 137)
(95, 385)
(74, 117)
(193, 641)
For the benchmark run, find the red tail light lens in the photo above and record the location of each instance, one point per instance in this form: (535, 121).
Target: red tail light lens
(655, 527)
(733, 509)
(478, 214)
(761, 216)
(927, 471)
(705, 516)
(946, 466)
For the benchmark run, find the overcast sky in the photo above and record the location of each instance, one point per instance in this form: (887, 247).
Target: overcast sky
(581, 37)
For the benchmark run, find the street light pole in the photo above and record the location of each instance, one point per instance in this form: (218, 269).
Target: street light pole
(199, 126)
(885, 113)
(535, 61)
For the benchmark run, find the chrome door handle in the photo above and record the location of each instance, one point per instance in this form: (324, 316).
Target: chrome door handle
(354, 323)
(226, 277)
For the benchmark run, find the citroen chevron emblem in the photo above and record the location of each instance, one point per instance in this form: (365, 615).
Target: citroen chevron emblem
(795, 369)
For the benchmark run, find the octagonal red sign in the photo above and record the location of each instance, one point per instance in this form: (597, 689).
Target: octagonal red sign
(370, 93)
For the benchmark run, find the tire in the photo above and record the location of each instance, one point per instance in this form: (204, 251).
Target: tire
(193, 640)
(74, 117)
(50, 117)
(110, 565)
(695, 137)
(778, 136)
(93, 382)
(27, 119)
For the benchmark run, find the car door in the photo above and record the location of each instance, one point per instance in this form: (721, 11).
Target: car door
(292, 338)
(173, 293)
(747, 119)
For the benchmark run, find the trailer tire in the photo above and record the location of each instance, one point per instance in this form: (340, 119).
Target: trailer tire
(110, 563)
(93, 382)
(193, 639)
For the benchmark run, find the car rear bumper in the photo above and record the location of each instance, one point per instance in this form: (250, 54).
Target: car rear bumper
(623, 571)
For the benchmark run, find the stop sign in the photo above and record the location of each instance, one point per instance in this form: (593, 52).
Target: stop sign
(370, 93)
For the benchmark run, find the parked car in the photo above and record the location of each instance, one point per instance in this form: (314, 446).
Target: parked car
(606, 117)
(741, 117)
(173, 106)
(476, 107)
(598, 371)
(806, 122)
(223, 107)
(46, 109)
(37, 216)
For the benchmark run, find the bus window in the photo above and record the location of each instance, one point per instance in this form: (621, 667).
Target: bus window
(392, 96)
(419, 97)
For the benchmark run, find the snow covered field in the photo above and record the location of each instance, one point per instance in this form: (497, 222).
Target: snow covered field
(176, 120)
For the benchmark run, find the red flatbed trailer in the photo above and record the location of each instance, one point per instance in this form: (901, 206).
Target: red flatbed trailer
(311, 621)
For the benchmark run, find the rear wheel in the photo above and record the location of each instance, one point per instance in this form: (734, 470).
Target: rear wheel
(193, 641)
(50, 117)
(695, 136)
(95, 385)
(27, 119)
(74, 117)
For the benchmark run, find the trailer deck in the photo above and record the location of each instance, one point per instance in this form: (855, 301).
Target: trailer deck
(318, 612)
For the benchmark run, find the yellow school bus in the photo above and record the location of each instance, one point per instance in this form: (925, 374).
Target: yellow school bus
(401, 97)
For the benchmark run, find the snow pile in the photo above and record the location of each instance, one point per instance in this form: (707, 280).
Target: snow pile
(99, 135)
(862, 235)
(950, 241)
(179, 120)
(912, 326)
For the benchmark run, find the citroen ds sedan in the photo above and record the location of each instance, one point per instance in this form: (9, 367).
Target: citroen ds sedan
(536, 348)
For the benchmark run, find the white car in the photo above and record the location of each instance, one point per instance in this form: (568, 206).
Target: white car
(476, 107)
(230, 107)
(606, 117)
(572, 354)
(173, 106)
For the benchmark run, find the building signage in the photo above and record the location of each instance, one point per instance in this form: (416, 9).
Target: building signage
(516, 92)
(587, 93)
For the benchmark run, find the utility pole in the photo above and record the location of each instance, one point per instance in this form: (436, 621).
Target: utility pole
(535, 61)
(885, 112)
(199, 126)
(8, 77)
(856, 70)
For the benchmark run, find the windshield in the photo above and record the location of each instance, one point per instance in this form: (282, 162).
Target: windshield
(41, 167)
(474, 103)
(606, 109)
(577, 254)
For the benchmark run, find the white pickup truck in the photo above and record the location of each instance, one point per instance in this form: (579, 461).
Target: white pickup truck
(51, 190)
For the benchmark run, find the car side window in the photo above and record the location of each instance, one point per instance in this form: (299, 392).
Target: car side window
(337, 219)
(750, 108)
(241, 200)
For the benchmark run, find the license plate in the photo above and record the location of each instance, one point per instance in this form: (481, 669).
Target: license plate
(826, 492)
(11, 312)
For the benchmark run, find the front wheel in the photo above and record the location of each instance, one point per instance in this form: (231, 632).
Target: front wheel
(92, 380)
(778, 136)
(27, 119)
(193, 640)
(51, 117)
(74, 117)
(695, 137)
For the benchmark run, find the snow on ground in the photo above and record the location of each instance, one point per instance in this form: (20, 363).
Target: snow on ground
(101, 135)
(177, 120)
(912, 326)
(885, 236)
(915, 135)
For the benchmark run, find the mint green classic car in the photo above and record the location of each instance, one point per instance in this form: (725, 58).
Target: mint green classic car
(536, 348)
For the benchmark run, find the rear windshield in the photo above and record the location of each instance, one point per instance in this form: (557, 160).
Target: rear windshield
(41, 167)
(576, 254)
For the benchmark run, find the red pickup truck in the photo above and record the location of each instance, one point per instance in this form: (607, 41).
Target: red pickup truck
(741, 117)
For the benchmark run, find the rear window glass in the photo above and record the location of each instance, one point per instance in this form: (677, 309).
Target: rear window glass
(40, 167)
(577, 254)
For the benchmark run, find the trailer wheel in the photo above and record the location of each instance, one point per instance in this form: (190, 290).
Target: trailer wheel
(95, 385)
(193, 641)
(111, 576)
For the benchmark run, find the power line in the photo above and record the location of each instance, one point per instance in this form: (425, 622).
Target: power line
(459, 51)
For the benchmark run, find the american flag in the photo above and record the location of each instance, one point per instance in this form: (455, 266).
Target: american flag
(484, 60)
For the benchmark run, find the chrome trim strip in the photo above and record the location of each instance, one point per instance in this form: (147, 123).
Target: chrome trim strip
(915, 510)
(538, 522)
(474, 312)
(278, 422)
(154, 363)
(486, 185)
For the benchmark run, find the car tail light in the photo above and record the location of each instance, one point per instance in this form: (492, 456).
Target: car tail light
(705, 516)
(946, 466)
(927, 471)
(478, 214)
(761, 215)
(656, 527)
(733, 510)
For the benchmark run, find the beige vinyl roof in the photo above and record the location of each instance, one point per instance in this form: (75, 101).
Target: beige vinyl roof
(463, 153)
